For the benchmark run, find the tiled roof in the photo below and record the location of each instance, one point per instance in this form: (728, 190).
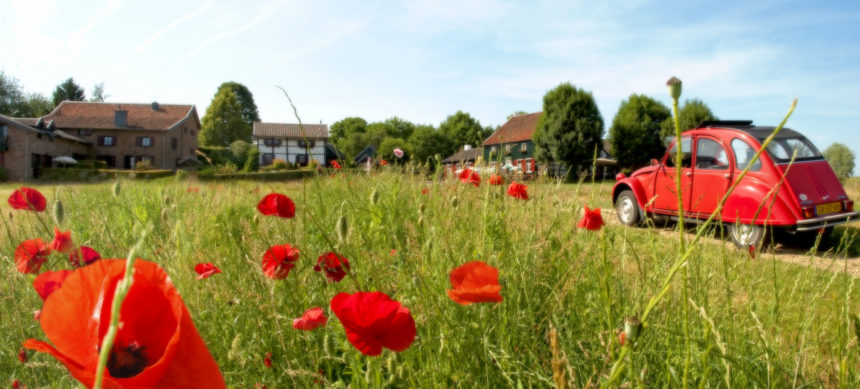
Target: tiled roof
(28, 124)
(80, 114)
(463, 155)
(518, 129)
(290, 130)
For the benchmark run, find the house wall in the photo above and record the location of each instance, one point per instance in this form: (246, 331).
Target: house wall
(515, 154)
(161, 152)
(289, 149)
(23, 144)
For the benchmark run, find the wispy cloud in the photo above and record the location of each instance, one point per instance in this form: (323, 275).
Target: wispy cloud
(265, 12)
(73, 43)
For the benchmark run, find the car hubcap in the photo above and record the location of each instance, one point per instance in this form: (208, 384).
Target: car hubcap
(626, 209)
(744, 234)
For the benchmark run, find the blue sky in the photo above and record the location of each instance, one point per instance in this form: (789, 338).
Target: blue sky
(424, 60)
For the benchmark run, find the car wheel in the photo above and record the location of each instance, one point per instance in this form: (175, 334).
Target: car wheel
(627, 208)
(746, 235)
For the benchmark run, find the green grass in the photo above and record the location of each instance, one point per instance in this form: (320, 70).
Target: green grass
(756, 322)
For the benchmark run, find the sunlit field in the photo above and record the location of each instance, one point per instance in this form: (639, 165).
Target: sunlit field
(745, 322)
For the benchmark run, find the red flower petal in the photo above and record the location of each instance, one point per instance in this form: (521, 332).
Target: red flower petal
(268, 360)
(372, 320)
(62, 241)
(279, 260)
(22, 355)
(205, 270)
(277, 204)
(49, 281)
(157, 341)
(518, 191)
(469, 176)
(496, 180)
(30, 255)
(336, 266)
(88, 254)
(311, 319)
(591, 220)
(28, 199)
(336, 165)
(475, 282)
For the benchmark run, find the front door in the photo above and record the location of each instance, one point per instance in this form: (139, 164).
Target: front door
(711, 176)
(665, 188)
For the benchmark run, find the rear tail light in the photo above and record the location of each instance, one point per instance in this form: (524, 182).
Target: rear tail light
(808, 212)
(848, 205)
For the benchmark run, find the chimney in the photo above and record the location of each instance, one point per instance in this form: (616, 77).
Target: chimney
(467, 147)
(120, 118)
(155, 106)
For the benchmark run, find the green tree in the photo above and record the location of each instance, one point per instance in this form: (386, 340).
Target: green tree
(353, 144)
(691, 114)
(252, 161)
(346, 127)
(635, 131)
(516, 113)
(240, 149)
(35, 105)
(250, 114)
(462, 129)
(426, 142)
(223, 123)
(376, 132)
(386, 149)
(841, 158)
(11, 95)
(570, 128)
(68, 90)
(398, 128)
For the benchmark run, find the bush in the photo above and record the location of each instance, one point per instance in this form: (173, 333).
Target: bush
(261, 176)
(182, 175)
(239, 150)
(143, 165)
(83, 165)
(252, 161)
(279, 164)
(132, 174)
(216, 155)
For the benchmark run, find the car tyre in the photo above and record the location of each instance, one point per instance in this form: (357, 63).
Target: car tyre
(627, 209)
(746, 235)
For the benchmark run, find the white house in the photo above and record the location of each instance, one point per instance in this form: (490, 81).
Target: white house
(290, 142)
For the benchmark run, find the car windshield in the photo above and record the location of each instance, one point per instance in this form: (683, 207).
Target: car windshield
(781, 150)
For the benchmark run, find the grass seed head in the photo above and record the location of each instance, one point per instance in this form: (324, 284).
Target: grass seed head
(116, 189)
(58, 212)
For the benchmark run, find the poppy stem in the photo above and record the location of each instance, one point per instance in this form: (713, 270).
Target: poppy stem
(120, 292)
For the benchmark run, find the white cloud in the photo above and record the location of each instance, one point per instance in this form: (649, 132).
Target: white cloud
(265, 12)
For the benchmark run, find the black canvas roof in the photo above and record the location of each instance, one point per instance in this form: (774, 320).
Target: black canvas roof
(758, 132)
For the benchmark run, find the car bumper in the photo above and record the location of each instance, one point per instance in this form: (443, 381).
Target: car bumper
(827, 221)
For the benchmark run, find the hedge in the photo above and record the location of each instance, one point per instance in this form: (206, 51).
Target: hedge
(71, 174)
(261, 176)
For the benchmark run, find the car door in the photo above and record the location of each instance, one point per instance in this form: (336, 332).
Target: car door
(711, 176)
(666, 199)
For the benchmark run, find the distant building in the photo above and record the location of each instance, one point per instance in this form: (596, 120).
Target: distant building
(291, 142)
(119, 134)
(465, 157)
(512, 143)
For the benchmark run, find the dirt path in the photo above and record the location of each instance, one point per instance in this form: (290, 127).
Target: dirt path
(824, 259)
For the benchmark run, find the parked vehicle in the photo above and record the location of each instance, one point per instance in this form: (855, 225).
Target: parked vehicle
(802, 197)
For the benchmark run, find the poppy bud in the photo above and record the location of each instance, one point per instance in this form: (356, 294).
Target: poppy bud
(164, 213)
(116, 188)
(674, 85)
(235, 347)
(632, 328)
(257, 218)
(167, 200)
(454, 202)
(326, 347)
(342, 229)
(421, 208)
(374, 196)
(421, 221)
(58, 212)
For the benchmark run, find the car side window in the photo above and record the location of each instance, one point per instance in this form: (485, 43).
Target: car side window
(743, 155)
(686, 154)
(710, 155)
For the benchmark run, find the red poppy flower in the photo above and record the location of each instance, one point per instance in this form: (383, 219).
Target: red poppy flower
(518, 191)
(205, 270)
(591, 220)
(475, 282)
(336, 165)
(28, 199)
(279, 260)
(372, 320)
(278, 205)
(30, 255)
(469, 176)
(17, 384)
(22, 355)
(192, 189)
(62, 241)
(425, 191)
(49, 281)
(156, 346)
(496, 179)
(752, 251)
(86, 253)
(383, 162)
(312, 318)
(336, 266)
(268, 360)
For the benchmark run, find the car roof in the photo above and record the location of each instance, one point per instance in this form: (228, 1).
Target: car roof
(757, 132)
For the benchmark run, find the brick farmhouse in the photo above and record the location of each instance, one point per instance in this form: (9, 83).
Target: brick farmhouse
(119, 134)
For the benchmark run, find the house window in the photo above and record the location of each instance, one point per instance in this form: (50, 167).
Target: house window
(85, 132)
(301, 160)
(272, 142)
(107, 140)
(524, 147)
(145, 141)
(507, 149)
(306, 144)
(110, 160)
(268, 158)
(173, 143)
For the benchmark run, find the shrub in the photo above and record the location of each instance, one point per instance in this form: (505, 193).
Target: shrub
(252, 161)
(279, 164)
(239, 150)
(143, 165)
(182, 175)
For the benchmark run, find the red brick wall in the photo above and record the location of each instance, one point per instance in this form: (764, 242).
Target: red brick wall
(22, 144)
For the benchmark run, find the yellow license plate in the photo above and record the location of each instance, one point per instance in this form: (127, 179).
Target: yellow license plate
(824, 209)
